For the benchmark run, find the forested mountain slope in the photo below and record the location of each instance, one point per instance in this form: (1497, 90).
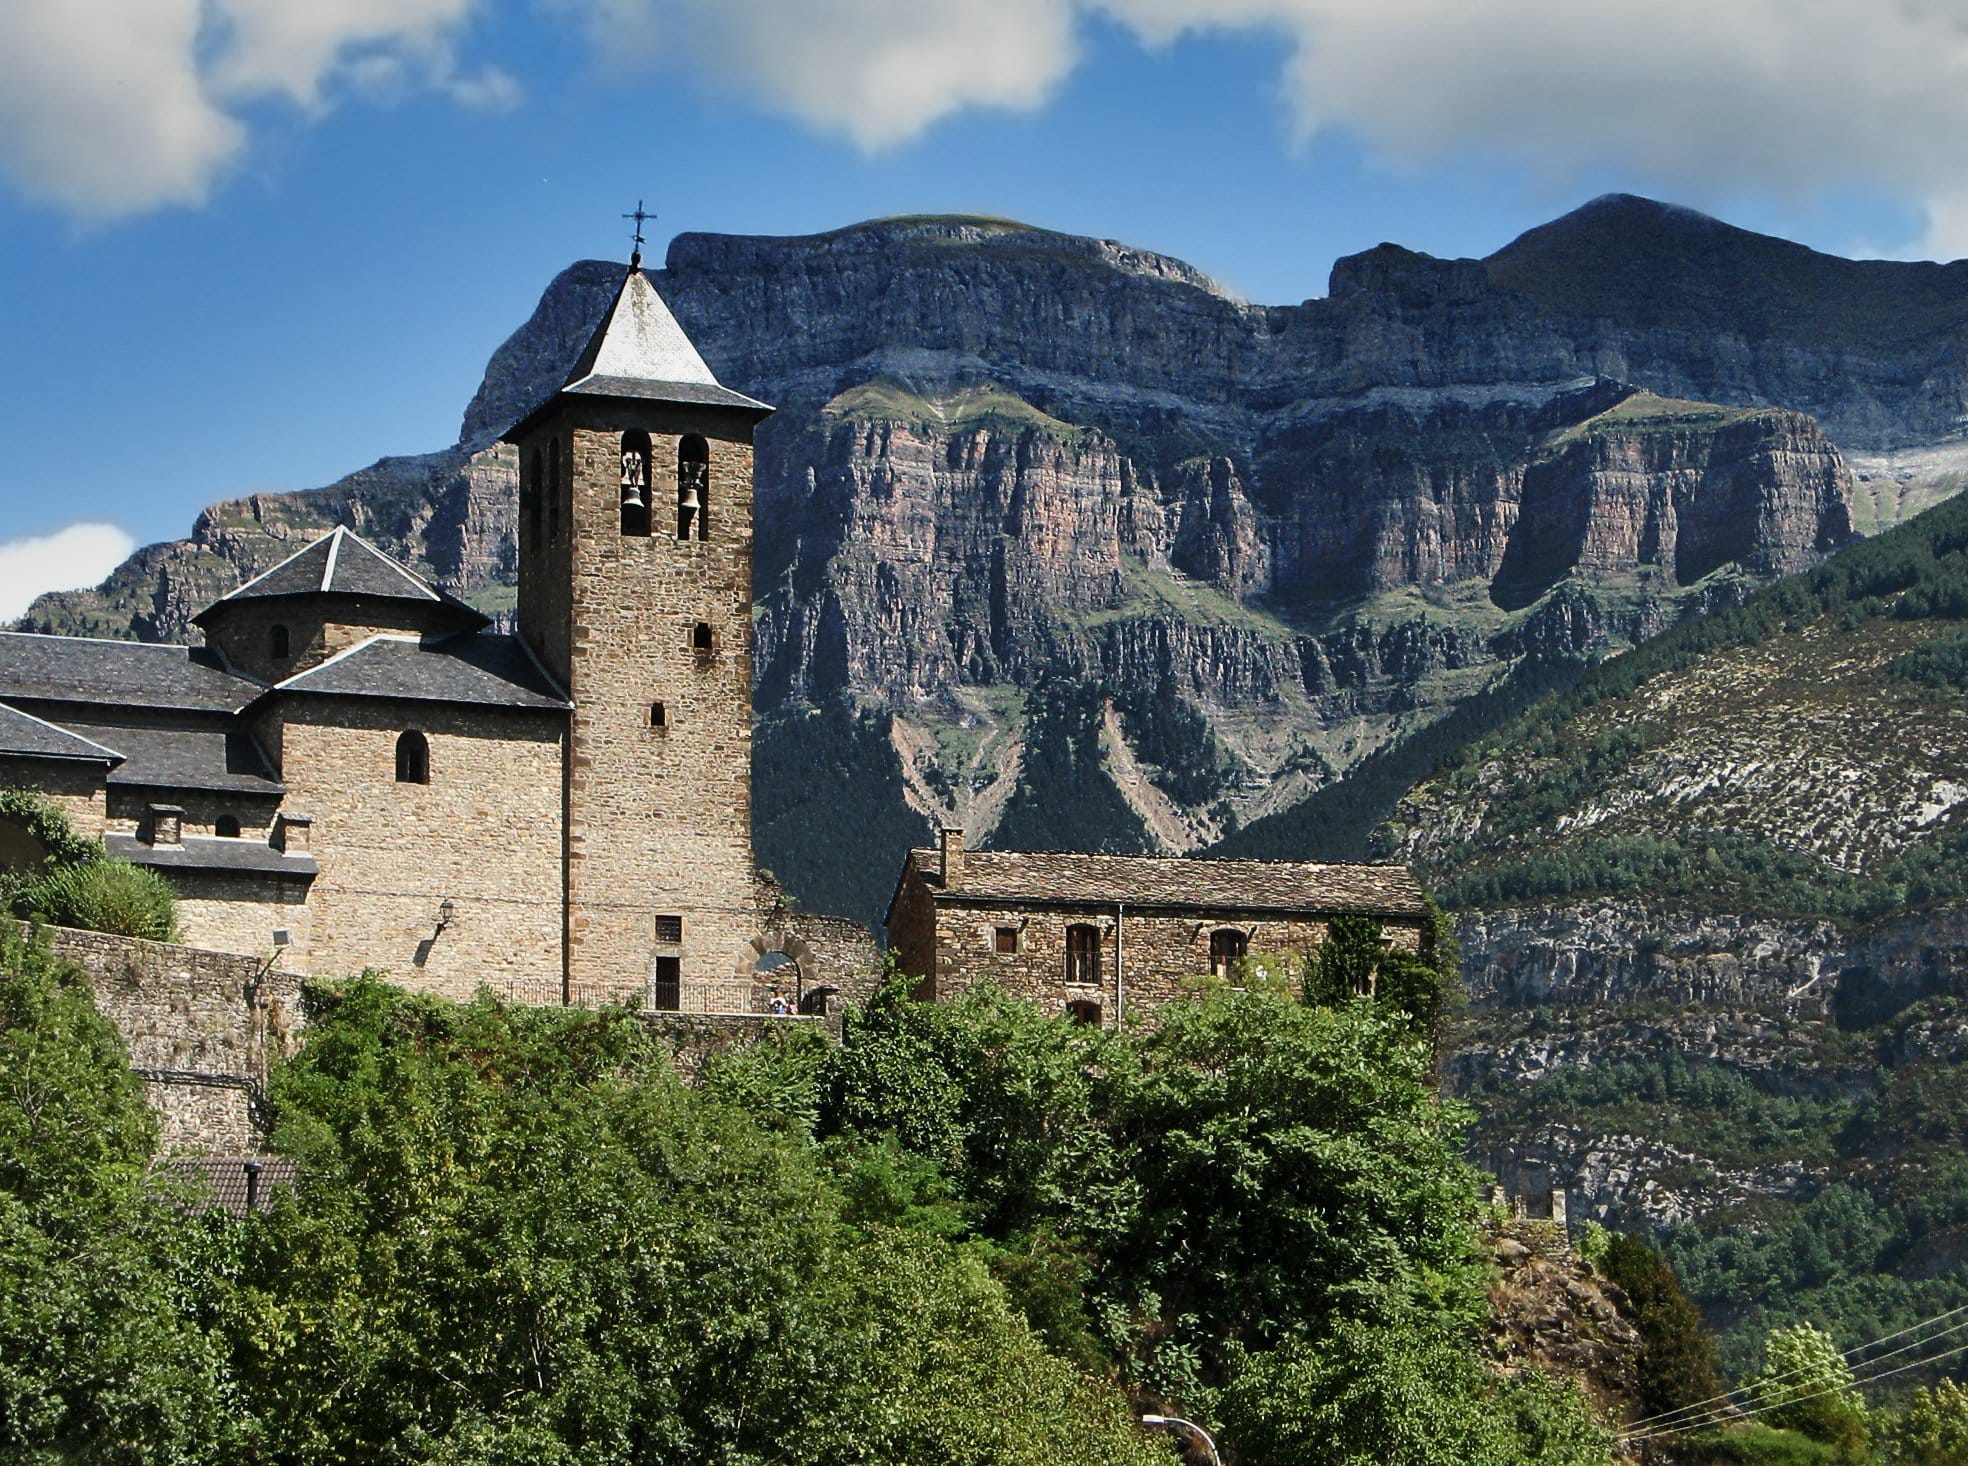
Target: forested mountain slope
(1714, 912)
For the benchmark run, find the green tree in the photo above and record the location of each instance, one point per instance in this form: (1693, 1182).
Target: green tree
(1679, 1366)
(101, 1353)
(1807, 1386)
(1412, 1393)
(1932, 1428)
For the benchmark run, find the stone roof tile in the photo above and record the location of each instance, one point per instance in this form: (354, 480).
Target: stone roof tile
(75, 669)
(212, 852)
(207, 755)
(23, 735)
(1138, 880)
(481, 669)
(341, 563)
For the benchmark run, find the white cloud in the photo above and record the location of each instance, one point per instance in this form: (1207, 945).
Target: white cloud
(1790, 99)
(111, 107)
(69, 559)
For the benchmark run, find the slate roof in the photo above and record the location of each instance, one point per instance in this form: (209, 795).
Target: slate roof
(480, 669)
(73, 669)
(222, 1179)
(342, 563)
(211, 756)
(212, 852)
(1140, 880)
(639, 350)
(24, 736)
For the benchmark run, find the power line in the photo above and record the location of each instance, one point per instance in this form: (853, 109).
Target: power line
(1850, 1356)
(1658, 1433)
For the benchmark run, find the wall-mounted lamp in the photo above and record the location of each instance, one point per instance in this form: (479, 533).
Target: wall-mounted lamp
(446, 909)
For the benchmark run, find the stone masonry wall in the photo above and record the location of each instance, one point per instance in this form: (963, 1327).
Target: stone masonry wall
(228, 911)
(77, 790)
(1147, 958)
(200, 1028)
(483, 833)
(318, 627)
(659, 817)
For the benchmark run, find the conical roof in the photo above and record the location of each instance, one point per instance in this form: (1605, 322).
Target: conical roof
(342, 563)
(640, 351)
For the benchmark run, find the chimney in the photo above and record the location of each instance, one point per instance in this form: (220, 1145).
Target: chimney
(166, 824)
(952, 859)
(252, 1169)
(291, 832)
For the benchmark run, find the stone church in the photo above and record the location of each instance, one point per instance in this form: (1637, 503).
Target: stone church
(354, 770)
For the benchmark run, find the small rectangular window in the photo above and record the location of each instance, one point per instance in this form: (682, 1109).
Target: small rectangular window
(658, 716)
(1007, 940)
(669, 928)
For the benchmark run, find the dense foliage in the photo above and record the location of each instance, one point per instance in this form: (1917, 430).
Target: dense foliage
(75, 884)
(1063, 783)
(1678, 1364)
(967, 1234)
(1555, 758)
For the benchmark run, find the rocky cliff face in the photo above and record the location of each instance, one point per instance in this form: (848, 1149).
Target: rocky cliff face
(1005, 455)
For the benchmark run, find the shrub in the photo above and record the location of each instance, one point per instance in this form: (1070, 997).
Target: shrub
(104, 896)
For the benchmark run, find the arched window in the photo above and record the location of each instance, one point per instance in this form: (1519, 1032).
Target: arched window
(701, 641)
(693, 488)
(226, 827)
(413, 758)
(553, 489)
(1083, 954)
(1228, 947)
(635, 483)
(278, 643)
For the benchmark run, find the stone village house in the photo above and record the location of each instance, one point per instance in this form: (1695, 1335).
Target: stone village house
(1099, 936)
(354, 770)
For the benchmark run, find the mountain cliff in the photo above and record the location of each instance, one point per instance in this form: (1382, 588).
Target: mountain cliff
(1240, 551)
(1714, 921)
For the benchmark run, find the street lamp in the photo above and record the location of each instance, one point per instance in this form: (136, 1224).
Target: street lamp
(1179, 1423)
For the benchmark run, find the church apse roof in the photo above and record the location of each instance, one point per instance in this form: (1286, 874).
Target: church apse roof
(480, 669)
(342, 563)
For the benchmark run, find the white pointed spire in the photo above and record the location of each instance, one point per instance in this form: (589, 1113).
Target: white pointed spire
(639, 350)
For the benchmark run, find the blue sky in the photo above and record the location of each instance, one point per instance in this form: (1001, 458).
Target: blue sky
(255, 244)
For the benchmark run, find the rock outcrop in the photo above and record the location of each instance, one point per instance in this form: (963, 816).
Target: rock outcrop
(1005, 454)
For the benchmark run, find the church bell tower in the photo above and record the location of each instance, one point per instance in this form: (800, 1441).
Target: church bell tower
(635, 592)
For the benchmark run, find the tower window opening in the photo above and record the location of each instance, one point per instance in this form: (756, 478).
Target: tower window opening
(701, 640)
(413, 758)
(1228, 947)
(278, 643)
(1083, 955)
(693, 488)
(659, 716)
(226, 827)
(635, 484)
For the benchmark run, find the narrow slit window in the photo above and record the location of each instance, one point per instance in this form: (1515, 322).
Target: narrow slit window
(693, 488)
(1083, 954)
(413, 758)
(659, 716)
(635, 484)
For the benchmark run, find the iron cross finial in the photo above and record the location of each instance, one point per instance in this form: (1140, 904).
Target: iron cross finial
(641, 217)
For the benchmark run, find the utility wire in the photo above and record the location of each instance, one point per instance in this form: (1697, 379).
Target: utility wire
(1720, 1416)
(1850, 1356)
